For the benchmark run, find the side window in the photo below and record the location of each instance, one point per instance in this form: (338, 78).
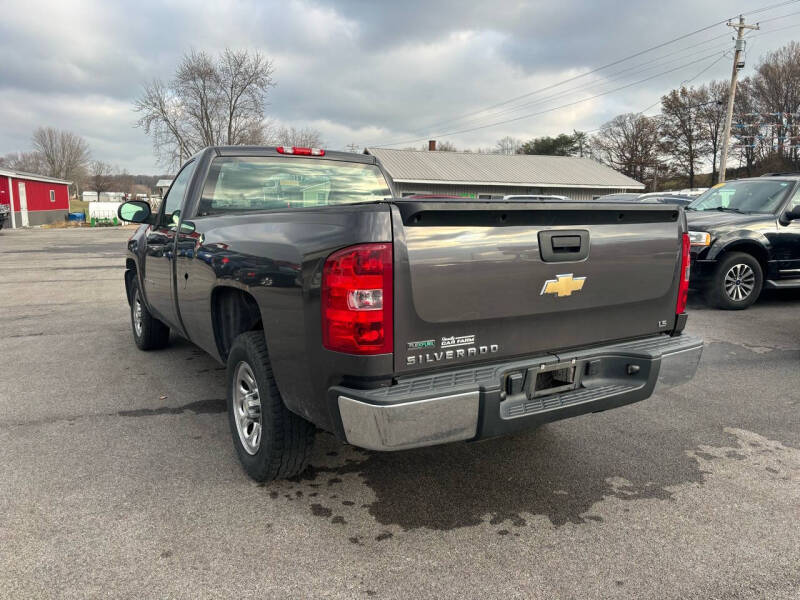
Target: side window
(175, 195)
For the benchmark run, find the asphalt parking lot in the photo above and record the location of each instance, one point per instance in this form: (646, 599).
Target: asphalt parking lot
(118, 476)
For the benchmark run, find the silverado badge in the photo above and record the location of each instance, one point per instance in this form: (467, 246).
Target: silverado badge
(563, 285)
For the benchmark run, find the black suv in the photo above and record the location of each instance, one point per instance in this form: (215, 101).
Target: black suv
(745, 235)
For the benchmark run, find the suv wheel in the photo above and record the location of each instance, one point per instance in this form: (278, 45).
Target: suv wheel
(736, 283)
(271, 441)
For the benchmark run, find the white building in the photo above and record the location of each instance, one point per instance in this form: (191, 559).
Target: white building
(104, 197)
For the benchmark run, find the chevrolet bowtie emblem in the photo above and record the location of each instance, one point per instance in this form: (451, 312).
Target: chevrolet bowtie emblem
(563, 285)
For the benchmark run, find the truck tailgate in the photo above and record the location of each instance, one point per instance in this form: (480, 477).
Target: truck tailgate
(478, 281)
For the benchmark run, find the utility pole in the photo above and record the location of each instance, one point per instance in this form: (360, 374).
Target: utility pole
(352, 147)
(737, 64)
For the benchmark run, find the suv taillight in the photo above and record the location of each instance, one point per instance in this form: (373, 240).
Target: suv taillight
(357, 300)
(683, 284)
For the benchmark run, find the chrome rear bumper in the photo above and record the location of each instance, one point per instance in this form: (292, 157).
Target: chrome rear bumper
(433, 409)
(412, 424)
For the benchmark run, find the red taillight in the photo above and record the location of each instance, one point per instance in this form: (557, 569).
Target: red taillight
(300, 151)
(683, 284)
(357, 300)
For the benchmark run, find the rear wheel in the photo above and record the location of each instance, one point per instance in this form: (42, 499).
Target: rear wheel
(271, 441)
(736, 283)
(148, 332)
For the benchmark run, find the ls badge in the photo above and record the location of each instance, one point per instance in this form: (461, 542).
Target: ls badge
(563, 285)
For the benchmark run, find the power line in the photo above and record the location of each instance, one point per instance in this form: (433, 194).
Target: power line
(637, 68)
(773, 30)
(684, 82)
(614, 76)
(480, 124)
(780, 17)
(463, 117)
(765, 8)
(576, 77)
(554, 108)
(748, 35)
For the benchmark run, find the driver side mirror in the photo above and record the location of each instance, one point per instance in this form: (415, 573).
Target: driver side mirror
(790, 215)
(134, 211)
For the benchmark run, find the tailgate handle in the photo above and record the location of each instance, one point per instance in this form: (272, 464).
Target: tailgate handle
(566, 243)
(562, 245)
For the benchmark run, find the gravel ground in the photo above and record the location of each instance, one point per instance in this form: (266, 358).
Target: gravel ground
(118, 477)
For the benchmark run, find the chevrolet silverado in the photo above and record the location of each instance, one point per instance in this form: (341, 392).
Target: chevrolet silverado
(397, 323)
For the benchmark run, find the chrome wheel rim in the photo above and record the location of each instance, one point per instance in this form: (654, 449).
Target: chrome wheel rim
(247, 408)
(740, 281)
(138, 316)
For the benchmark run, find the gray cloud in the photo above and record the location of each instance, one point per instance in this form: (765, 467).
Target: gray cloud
(362, 72)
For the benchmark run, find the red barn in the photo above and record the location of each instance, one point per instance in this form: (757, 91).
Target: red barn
(35, 199)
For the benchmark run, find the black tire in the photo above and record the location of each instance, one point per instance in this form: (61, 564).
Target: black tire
(285, 439)
(736, 283)
(153, 334)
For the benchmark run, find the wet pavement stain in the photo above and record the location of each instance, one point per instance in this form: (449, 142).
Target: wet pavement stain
(558, 472)
(320, 511)
(595, 518)
(200, 407)
(548, 472)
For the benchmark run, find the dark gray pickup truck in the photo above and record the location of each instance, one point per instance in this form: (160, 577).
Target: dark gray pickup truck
(402, 322)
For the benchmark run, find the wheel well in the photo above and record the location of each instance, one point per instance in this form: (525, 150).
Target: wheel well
(130, 273)
(755, 250)
(233, 312)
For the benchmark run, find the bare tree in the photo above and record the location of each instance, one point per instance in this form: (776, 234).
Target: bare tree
(507, 145)
(29, 162)
(747, 129)
(100, 177)
(712, 119)
(64, 154)
(776, 89)
(125, 182)
(683, 138)
(628, 143)
(197, 84)
(305, 137)
(209, 101)
(245, 79)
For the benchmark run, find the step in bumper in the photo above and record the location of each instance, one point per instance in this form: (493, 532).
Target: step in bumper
(469, 404)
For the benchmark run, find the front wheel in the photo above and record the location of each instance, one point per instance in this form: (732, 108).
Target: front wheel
(148, 332)
(736, 283)
(271, 441)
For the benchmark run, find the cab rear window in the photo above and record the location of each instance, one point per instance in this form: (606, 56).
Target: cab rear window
(272, 183)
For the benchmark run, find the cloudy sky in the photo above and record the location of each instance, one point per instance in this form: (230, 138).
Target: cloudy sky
(369, 72)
